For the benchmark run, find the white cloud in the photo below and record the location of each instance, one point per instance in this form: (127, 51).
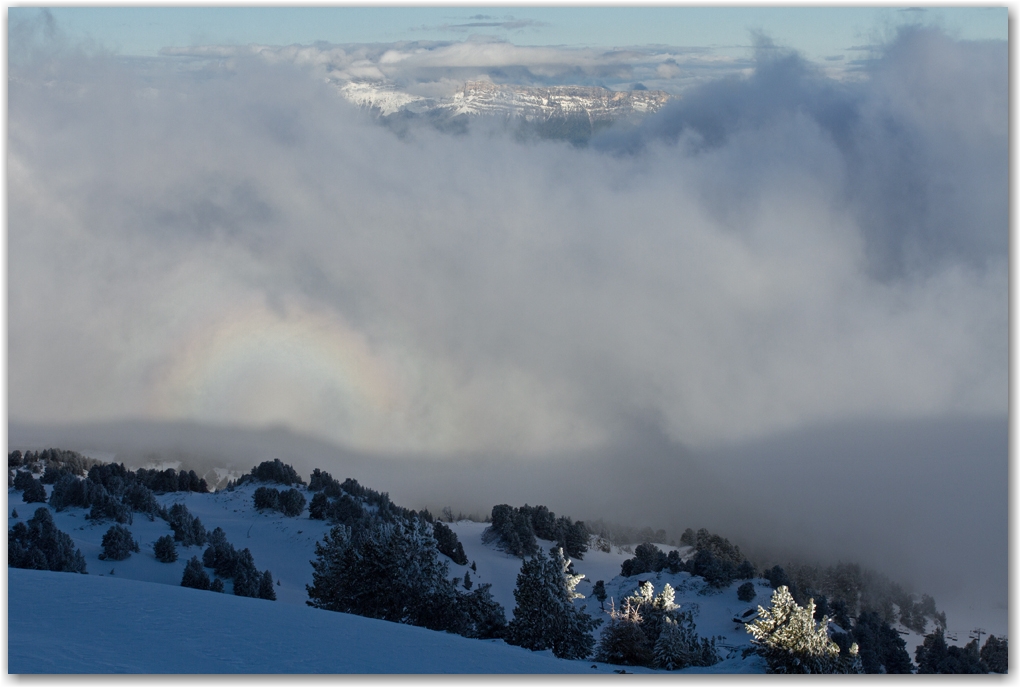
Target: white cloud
(453, 293)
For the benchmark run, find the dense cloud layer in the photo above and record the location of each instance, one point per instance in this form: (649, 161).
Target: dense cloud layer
(236, 244)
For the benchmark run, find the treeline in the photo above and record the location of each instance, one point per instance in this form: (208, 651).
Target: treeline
(516, 530)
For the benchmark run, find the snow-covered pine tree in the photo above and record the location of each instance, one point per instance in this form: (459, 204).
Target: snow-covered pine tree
(790, 640)
(545, 617)
(575, 639)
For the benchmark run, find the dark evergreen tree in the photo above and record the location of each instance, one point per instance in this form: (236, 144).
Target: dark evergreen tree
(318, 509)
(35, 492)
(935, 656)
(545, 617)
(321, 481)
(673, 562)
(194, 575)
(840, 614)
(346, 510)
(746, 571)
(777, 578)
(220, 555)
(882, 650)
(512, 531)
(273, 471)
(140, 498)
(267, 498)
(485, 619)
(448, 544)
(188, 530)
(216, 585)
(108, 507)
(53, 473)
(623, 642)
(717, 572)
(40, 545)
(23, 480)
(746, 592)
(14, 513)
(467, 580)
(599, 592)
(165, 549)
(118, 544)
(995, 654)
(266, 590)
(292, 502)
(574, 539)
(247, 578)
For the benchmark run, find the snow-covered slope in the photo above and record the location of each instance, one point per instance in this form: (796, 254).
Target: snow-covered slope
(130, 604)
(88, 611)
(66, 623)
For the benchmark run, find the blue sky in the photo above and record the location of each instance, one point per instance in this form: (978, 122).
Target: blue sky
(818, 32)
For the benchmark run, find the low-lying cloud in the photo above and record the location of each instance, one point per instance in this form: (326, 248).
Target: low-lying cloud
(236, 244)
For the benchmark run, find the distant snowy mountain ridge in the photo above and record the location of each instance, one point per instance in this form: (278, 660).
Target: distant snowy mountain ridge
(476, 98)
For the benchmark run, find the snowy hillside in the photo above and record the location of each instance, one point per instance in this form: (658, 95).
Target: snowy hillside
(123, 616)
(90, 612)
(66, 623)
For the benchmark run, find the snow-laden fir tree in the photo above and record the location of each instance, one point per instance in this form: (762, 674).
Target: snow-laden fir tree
(790, 640)
(545, 617)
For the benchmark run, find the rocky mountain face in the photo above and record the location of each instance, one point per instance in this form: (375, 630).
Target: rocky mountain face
(566, 112)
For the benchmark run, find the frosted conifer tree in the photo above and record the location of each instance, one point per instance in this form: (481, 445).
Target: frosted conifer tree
(790, 640)
(670, 652)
